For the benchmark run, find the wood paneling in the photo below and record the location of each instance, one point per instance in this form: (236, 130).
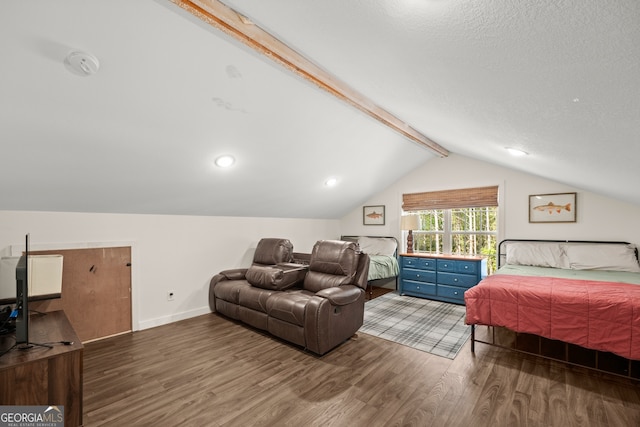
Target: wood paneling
(96, 291)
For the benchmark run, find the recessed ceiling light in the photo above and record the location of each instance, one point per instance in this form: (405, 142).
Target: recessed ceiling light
(516, 152)
(225, 161)
(331, 182)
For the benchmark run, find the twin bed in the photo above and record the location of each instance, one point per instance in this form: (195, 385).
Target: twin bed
(580, 300)
(383, 252)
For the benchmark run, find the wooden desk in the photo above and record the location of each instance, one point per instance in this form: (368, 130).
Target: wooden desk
(44, 376)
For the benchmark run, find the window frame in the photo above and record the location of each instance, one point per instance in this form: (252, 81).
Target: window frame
(447, 235)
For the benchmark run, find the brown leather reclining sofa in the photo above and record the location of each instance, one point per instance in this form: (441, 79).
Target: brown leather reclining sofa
(318, 306)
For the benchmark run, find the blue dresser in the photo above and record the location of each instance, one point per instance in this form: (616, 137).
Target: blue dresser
(440, 277)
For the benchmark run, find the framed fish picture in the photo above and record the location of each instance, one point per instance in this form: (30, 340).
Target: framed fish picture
(373, 215)
(559, 207)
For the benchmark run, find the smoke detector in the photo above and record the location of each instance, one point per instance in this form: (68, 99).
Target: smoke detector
(81, 63)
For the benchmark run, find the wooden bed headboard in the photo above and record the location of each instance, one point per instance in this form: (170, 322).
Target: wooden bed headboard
(503, 244)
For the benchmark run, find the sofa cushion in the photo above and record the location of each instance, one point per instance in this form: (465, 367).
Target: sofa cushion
(271, 251)
(333, 263)
(334, 257)
(289, 306)
(254, 298)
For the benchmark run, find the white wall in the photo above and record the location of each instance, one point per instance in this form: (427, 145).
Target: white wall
(598, 217)
(179, 253)
(182, 253)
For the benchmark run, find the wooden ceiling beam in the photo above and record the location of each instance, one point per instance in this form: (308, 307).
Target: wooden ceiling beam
(224, 18)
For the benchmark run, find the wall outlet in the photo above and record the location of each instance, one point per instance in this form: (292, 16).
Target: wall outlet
(171, 295)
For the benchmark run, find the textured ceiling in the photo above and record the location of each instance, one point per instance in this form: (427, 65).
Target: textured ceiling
(557, 79)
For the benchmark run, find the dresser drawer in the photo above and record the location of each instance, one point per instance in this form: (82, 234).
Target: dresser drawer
(466, 267)
(451, 292)
(457, 266)
(422, 288)
(456, 279)
(419, 275)
(446, 265)
(422, 263)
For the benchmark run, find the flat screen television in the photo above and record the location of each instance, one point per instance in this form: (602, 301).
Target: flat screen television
(36, 277)
(45, 277)
(22, 298)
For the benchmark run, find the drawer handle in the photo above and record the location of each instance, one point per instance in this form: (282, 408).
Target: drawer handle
(455, 292)
(455, 280)
(417, 275)
(445, 265)
(466, 267)
(418, 287)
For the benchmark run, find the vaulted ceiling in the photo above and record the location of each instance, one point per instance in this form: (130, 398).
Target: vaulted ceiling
(557, 79)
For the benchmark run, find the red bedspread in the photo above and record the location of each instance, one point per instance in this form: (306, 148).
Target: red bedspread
(598, 315)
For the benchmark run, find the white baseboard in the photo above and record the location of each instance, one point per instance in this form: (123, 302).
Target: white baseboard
(165, 320)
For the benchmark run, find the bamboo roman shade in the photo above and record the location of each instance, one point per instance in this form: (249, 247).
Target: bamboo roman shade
(451, 199)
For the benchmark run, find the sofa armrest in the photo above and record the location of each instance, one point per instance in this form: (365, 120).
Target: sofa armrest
(234, 274)
(341, 295)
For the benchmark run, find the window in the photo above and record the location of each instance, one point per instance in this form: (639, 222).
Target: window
(460, 231)
(462, 222)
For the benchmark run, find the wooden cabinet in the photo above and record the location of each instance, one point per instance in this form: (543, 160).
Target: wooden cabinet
(440, 277)
(44, 376)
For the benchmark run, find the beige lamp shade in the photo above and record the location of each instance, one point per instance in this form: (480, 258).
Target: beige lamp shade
(410, 222)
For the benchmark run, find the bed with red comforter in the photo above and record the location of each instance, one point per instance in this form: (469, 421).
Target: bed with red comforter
(563, 298)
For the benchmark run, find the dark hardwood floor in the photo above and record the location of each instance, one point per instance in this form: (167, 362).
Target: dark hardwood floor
(377, 291)
(211, 371)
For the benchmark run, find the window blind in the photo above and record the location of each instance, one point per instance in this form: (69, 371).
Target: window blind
(451, 199)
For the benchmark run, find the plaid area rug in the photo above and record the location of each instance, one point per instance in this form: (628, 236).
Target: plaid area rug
(432, 326)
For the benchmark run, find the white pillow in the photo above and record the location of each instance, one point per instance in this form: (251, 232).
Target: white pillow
(539, 254)
(602, 256)
(378, 245)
